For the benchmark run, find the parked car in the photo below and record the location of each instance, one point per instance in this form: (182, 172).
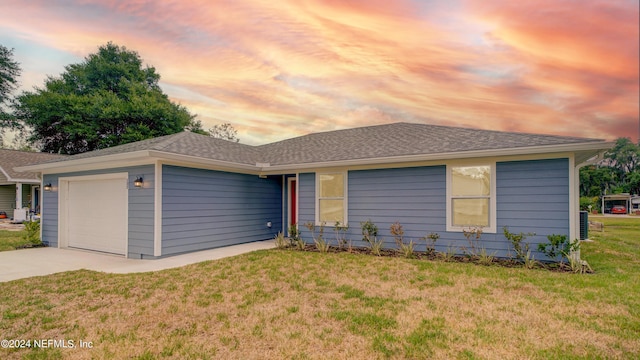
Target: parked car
(618, 209)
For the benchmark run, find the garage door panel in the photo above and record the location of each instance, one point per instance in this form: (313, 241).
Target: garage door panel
(97, 215)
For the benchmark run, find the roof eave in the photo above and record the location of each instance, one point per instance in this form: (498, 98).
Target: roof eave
(595, 147)
(89, 163)
(136, 158)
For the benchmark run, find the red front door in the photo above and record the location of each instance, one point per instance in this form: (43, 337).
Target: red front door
(293, 203)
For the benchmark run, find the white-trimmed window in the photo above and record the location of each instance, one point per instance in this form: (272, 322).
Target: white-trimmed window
(471, 199)
(331, 199)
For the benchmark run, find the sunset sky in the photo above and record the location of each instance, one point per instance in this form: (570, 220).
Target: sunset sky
(282, 68)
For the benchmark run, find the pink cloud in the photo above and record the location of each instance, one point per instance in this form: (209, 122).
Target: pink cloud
(319, 65)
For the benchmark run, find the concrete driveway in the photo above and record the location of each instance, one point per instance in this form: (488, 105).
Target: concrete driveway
(26, 263)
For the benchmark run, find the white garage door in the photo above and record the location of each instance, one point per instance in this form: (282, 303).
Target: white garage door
(97, 215)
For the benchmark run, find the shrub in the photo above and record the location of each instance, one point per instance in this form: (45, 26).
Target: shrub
(397, 231)
(32, 235)
(341, 234)
(321, 243)
(369, 231)
(294, 233)
(431, 242)
(520, 247)
(558, 246)
(370, 235)
(473, 235)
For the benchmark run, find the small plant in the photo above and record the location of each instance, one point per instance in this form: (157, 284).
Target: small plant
(473, 235)
(370, 235)
(559, 246)
(484, 258)
(322, 244)
(450, 254)
(299, 243)
(32, 235)
(579, 266)
(397, 231)
(520, 247)
(281, 242)
(294, 234)
(376, 247)
(407, 250)
(341, 234)
(369, 231)
(431, 242)
(529, 260)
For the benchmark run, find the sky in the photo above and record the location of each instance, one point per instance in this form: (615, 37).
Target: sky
(284, 68)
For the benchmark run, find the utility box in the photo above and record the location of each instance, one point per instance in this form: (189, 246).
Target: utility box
(584, 225)
(20, 215)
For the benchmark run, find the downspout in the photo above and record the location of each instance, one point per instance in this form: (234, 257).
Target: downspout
(592, 160)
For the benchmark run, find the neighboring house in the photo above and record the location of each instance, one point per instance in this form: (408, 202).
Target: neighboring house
(187, 192)
(20, 190)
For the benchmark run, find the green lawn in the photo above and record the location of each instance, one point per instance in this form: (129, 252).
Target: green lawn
(9, 240)
(304, 305)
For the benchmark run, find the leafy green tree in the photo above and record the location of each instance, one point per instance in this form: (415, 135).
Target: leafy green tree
(596, 180)
(106, 100)
(9, 73)
(624, 157)
(633, 182)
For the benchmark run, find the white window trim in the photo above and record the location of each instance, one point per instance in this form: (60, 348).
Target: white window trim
(492, 228)
(344, 198)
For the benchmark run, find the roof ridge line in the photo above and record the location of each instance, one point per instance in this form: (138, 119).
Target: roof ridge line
(168, 140)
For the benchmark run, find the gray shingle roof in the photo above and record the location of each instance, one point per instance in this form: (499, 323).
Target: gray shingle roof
(14, 158)
(184, 143)
(370, 142)
(400, 139)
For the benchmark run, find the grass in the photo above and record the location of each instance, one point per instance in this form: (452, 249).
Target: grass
(306, 305)
(9, 240)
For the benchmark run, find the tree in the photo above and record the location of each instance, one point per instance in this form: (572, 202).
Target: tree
(224, 131)
(618, 172)
(9, 73)
(596, 180)
(624, 157)
(106, 100)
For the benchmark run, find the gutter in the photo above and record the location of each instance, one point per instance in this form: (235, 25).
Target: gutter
(149, 156)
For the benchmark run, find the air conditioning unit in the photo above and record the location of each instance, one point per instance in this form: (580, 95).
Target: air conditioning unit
(584, 225)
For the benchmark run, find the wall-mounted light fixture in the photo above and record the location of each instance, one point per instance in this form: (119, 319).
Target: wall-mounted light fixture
(47, 187)
(138, 182)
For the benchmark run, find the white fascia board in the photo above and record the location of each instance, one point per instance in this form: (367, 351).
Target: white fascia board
(490, 153)
(91, 163)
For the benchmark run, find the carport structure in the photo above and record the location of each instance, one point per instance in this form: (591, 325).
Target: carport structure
(608, 201)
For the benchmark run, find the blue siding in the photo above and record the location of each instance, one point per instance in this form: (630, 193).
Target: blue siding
(141, 209)
(531, 196)
(415, 197)
(306, 200)
(203, 209)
